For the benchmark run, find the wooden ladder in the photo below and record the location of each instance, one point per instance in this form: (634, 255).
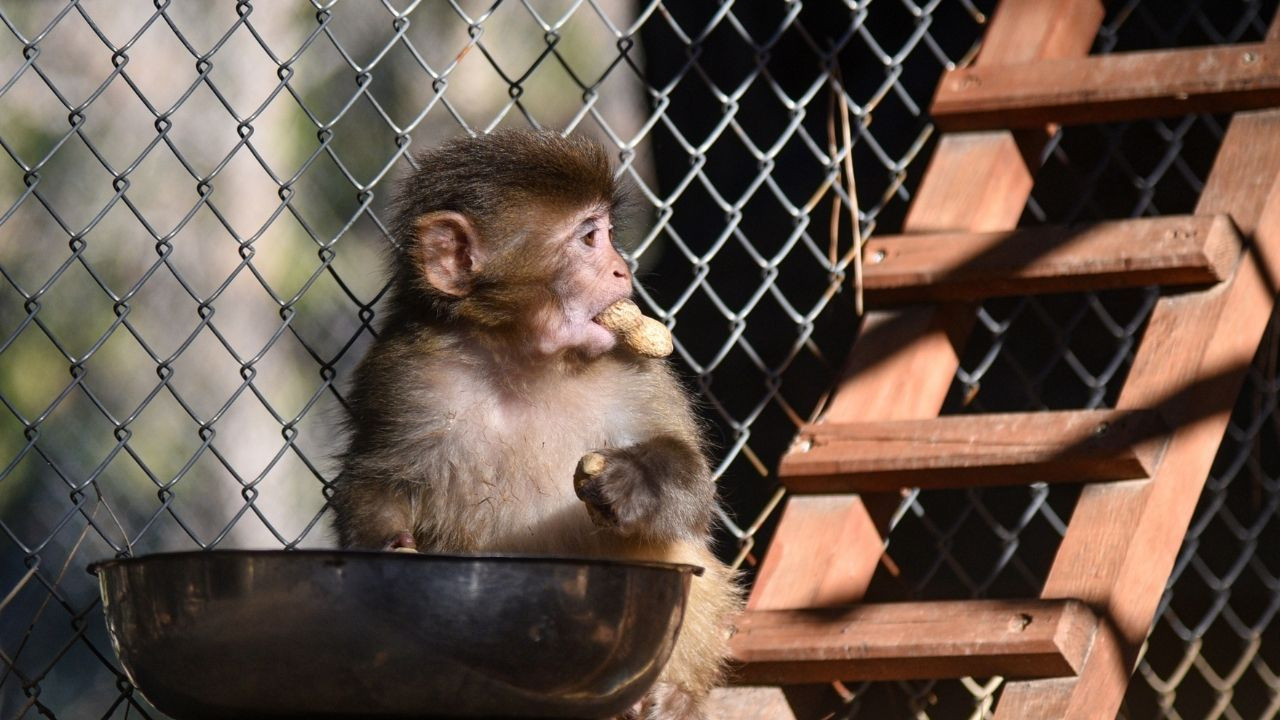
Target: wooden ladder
(1069, 652)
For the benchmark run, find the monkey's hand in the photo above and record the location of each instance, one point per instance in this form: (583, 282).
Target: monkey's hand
(613, 489)
(658, 489)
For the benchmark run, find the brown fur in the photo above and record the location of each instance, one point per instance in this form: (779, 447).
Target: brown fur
(466, 439)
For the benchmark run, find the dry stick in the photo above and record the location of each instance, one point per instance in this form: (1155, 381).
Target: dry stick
(851, 190)
(833, 229)
(833, 237)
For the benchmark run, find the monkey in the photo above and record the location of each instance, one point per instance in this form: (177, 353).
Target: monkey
(489, 381)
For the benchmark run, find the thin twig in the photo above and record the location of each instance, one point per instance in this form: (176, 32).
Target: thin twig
(851, 189)
(834, 227)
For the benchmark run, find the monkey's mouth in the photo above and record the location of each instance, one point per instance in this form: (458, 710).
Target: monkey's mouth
(606, 334)
(601, 328)
(599, 323)
(595, 316)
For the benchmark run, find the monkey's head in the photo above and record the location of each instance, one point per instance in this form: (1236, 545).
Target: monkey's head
(509, 235)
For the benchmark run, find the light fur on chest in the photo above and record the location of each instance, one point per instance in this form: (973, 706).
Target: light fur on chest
(508, 459)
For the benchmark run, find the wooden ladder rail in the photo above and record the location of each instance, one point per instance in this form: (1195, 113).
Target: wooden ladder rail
(1124, 537)
(1142, 520)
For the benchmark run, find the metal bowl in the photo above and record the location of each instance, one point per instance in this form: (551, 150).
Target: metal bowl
(233, 634)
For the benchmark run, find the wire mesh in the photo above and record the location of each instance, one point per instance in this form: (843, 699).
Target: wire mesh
(191, 247)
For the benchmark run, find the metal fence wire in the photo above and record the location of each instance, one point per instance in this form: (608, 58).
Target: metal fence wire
(191, 255)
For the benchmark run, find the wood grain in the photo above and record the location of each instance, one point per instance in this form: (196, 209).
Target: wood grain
(826, 565)
(750, 703)
(1175, 250)
(902, 641)
(1110, 88)
(975, 450)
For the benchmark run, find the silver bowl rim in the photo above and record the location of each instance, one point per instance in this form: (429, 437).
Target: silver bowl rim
(515, 558)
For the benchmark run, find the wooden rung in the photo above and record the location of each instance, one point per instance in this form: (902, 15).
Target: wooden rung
(1109, 88)
(1174, 250)
(974, 450)
(903, 641)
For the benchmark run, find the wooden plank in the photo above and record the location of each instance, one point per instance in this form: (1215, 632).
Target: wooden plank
(892, 371)
(1175, 250)
(950, 200)
(827, 563)
(1110, 88)
(1047, 698)
(1123, 539)
(1027, 30)
(749, 703)
(975, 450)
(902, 641)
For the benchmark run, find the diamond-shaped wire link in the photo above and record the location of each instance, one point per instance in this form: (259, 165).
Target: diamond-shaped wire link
(191, 243)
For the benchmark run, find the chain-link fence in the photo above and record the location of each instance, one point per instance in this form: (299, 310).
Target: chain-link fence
(190, 264)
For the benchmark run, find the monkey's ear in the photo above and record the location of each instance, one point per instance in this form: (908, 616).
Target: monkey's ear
(447, 252)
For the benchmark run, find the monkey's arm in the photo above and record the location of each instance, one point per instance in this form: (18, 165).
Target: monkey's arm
(377, 495)
(659, 488)
(372, 515)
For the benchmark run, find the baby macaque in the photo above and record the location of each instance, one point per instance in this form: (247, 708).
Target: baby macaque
(494, 413)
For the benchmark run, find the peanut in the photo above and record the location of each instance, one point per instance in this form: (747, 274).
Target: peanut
(643, 335)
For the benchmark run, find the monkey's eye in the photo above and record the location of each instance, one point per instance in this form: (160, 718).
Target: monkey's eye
(594, 233)
(598, 236)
